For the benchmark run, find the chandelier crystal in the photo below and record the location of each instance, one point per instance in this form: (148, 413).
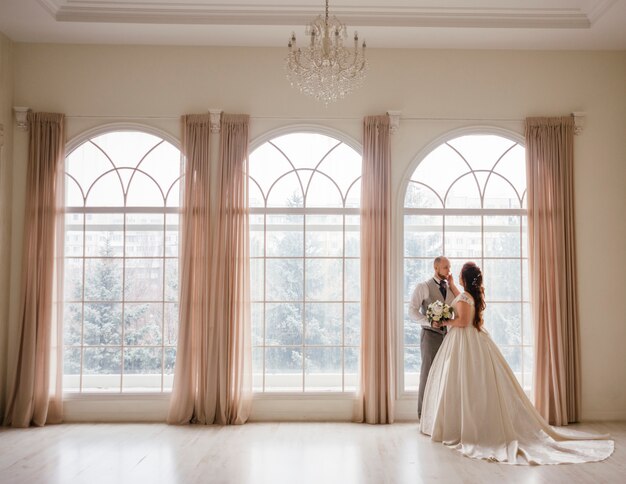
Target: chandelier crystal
(325, 69)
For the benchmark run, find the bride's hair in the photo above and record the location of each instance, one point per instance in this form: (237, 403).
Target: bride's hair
(473, 283)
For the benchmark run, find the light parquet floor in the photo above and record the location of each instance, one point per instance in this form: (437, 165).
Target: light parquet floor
(269, 453)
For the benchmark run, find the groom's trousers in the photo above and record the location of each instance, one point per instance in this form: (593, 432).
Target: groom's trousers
(430, 341)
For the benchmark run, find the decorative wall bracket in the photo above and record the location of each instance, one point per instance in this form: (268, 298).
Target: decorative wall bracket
(216, 115)
(21, 114)
(579, 121)
(394, 119)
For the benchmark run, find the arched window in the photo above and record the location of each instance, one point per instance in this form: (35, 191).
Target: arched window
(121, 263)
(305, 286)
(467, 200)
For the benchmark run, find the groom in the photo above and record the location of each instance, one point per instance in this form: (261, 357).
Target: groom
(440, 287)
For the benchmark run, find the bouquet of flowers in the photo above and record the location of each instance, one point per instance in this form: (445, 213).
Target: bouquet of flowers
(439, 312)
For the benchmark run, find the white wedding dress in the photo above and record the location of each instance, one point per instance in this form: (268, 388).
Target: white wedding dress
(474, 404)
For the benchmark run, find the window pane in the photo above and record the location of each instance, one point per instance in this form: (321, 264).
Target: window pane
(352, 336)
(144, 235)
(464, 193)
(283, 369)
(504, 323)
(283, 324)
(171, 324)
(284, 280)
(102, 324)
(143, 191)
(73, 279)
(412, 329)
(73, 235)
(342, 165)
(324, 235)
(144, 280)
(104, 235)
(102, 369)
(463, 236)
(286, 192)
(353, 236)
(352, 289)
(257, 279)
(499, 193)
(415, 271)
(103, 279)
(72, 323)
(257, 369)
(71, 369)
(423, 235)
(502, 279)
(323, 192)
(257, 235)
(430, 172)
(143, 323)
(323, 369)
(502, 236)
(513, 356)
(172, 235)
(256, 316)
(285, 235)
(142, 369)
(171, 279)
(412, 363)
(323, 323)
(324, 279)
(422, 196)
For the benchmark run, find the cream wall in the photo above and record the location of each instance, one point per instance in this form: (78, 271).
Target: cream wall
(437, 92)
(6, 144)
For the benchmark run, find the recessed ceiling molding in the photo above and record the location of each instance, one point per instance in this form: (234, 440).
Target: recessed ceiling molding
(268, 14)
(598, 9)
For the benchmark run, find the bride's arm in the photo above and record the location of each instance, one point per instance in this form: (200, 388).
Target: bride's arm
(452, 285)
(464, 313)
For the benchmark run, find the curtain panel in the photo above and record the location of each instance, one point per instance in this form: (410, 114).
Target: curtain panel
(377, 391)
(552, 267)
(212, 380)
(34, 394)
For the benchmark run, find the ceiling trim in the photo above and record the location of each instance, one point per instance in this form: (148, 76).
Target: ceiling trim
(268, 14)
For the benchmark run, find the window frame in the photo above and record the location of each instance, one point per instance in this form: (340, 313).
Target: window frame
(259, 141)
(401, 211)
(162, 394)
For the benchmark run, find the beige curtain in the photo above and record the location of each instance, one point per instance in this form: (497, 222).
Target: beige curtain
(376, 390)
(34, 389)
(212, 382)
(552, 263)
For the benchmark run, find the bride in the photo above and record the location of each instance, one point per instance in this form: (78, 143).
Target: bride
(474, 404)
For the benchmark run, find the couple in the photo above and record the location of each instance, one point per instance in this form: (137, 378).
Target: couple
(469, 398)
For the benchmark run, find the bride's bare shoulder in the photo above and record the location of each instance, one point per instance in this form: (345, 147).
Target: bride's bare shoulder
(466, 298)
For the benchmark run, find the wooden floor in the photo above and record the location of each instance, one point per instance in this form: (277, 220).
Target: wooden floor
(294, 453)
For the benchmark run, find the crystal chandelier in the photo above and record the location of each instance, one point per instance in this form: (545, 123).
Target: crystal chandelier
(325, 69)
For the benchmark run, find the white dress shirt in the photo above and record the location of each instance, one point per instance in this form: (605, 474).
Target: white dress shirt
(417, 298)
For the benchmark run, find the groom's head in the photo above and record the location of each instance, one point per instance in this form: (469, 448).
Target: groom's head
(441, 265)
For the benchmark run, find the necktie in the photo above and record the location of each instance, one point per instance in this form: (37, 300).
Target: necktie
(443, 289)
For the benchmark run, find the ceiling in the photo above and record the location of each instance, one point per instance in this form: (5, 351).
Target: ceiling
(440, 24)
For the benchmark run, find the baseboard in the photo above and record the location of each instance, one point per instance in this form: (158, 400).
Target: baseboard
(112, 409)
(603, 415)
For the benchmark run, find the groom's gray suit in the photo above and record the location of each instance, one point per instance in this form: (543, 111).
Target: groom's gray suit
(431, 338)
